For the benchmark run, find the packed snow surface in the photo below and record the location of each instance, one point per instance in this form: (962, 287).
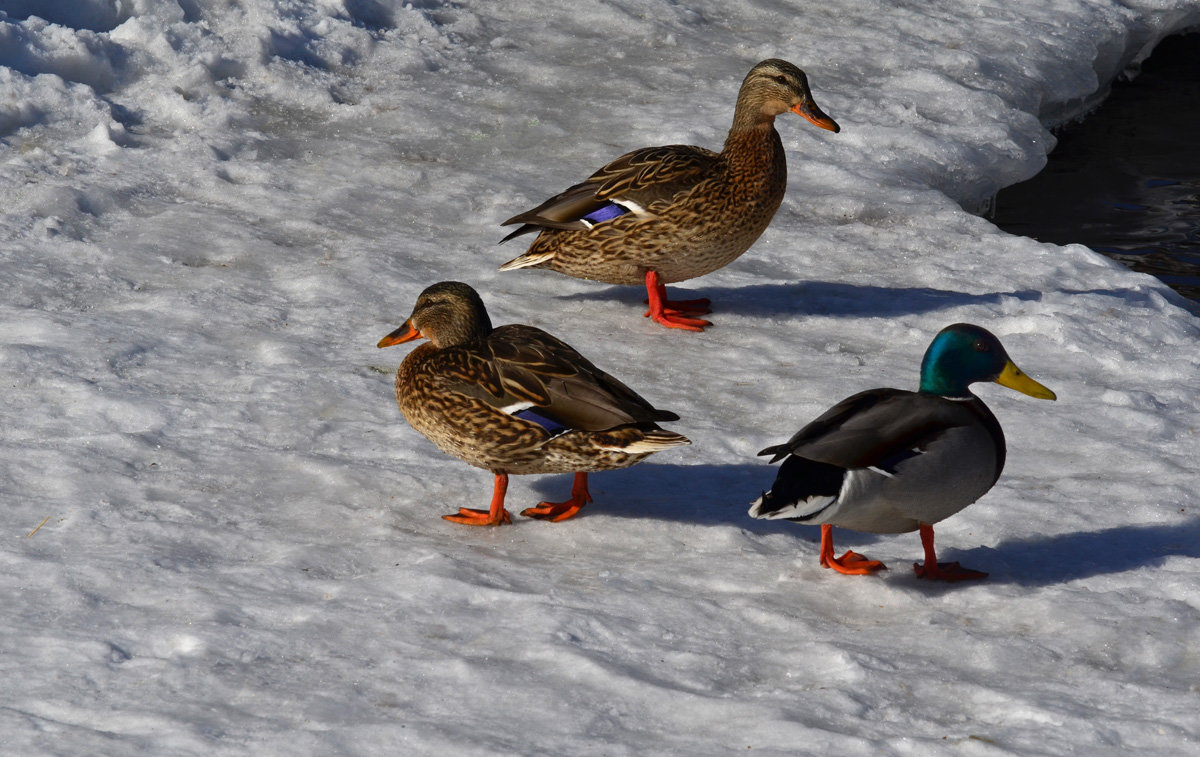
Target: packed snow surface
(222, 538)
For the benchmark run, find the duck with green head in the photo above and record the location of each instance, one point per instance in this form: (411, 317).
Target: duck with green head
(892, 461)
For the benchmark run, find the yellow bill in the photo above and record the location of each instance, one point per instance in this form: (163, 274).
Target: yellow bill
(1013, 378)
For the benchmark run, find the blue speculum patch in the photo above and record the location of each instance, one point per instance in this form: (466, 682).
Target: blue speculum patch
(606, 213)
(552, 426)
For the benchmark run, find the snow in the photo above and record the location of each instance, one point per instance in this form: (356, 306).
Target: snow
(223, 539)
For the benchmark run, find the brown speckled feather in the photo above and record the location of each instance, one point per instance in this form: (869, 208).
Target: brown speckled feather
(525, 364)
(648, 177)
(516, 399)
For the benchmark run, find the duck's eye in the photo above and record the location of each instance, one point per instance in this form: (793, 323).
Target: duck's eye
(780, 78)
(981, 347)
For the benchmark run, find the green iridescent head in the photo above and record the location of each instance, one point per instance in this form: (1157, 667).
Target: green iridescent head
(963, 354)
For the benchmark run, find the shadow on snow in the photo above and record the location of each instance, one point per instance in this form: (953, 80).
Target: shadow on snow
(816, 298)
(1044, 560)
(720, 495)
(835, 299)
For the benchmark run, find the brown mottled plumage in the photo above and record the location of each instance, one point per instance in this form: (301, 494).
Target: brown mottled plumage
(516, 400)
(684, 211)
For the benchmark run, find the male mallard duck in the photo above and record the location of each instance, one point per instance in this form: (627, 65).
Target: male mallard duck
(889, 461)
(516, 400)
(664, 214)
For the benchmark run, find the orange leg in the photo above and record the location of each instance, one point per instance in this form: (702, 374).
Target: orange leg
(946, 571)
(556, 511)
(674, 314)
(851, 563)
(495, 516)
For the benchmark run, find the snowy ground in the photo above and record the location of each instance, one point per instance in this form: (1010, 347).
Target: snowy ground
(212, 210)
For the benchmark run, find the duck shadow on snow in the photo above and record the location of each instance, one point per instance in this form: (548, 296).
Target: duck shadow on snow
(706, 495)
(1045, 560)
(815, 298)
(720, 495)
(834, 299)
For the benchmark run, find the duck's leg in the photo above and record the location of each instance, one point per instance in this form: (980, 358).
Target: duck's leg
(494, 516)
(946, 571)
(556, 511)
(851, 563)
(674, 314)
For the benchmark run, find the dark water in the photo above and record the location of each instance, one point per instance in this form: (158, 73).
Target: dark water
(1126, 180)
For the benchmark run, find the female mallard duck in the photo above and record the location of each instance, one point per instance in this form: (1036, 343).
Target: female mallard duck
(664, 214)
(516, 400)
(890, 461)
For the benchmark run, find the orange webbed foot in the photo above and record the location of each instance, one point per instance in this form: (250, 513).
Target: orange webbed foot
(853, 564)
(553, 511)
(674, 314)
(945, 571)
(496, 515)
(470, 517)
(560, 511)
(674, 320)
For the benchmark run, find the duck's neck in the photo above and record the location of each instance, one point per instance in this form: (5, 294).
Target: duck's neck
(748, 119)
(755, 152)
(935, 382)
(942, 368)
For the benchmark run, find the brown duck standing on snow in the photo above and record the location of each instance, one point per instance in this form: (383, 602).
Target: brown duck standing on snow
(517, 400)
(665, 214)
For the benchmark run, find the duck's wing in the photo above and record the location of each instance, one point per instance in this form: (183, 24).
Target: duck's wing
(632, 183)
(878, 428)
(527, 373)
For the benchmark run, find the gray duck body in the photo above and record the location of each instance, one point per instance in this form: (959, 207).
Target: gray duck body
(887, 461)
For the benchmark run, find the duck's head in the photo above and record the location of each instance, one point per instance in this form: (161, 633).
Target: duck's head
(962, 354)
(448, 313)
(776, 86)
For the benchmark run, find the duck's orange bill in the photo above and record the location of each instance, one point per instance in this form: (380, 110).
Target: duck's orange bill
(810, 111)
(406, 333)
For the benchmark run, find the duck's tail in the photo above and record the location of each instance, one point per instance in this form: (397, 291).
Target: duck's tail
(802, 490)
(528, 260)
(654, 440)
